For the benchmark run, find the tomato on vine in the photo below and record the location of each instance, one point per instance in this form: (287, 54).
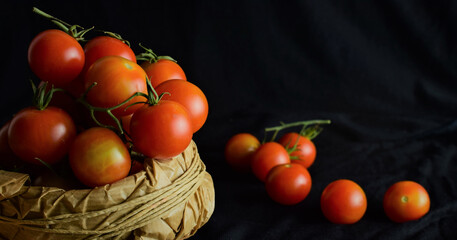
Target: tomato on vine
(266, 157)
(161, 129)
(188, 95)
(41, 133)
(55, 57)
(160, 68)
(302, 149)
(113, 79)
(288, 184)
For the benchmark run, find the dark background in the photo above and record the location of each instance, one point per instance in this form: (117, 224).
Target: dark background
(384, 73)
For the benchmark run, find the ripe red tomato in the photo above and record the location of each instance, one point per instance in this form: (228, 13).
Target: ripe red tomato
(102, 46)
(55, 57)
(188, 95)
(288, 184)
(45, 134)
(98, 157)
(161, 131)
(343, 202)
(117, 79)
(239, 150)
(267, 156)
(163, 70)
(406, 201)
(305, 152)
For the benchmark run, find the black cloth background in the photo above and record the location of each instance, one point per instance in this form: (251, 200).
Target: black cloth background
(384, 73)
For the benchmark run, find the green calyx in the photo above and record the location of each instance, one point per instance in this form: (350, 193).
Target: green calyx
(41, 96)
(149, 56)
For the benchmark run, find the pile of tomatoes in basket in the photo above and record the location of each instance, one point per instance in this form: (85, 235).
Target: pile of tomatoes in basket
(282, 165)
(97, 104)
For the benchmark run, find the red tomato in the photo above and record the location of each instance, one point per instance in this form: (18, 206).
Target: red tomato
(55, 57)
(343, 202)
(305, 152)
(406, 201)
(188, 95)
(98, 157)
(45, 134)
(163, 70)
(267, 156)
(161, 131)
(288, 184)
(117, 79)
(239, 151)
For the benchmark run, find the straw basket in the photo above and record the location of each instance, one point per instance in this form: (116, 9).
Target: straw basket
(168, 200)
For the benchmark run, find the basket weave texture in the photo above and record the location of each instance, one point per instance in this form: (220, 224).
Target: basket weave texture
(168, 200)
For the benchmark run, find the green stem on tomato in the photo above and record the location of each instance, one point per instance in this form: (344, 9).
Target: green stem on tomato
(149, 56)
(283, 126)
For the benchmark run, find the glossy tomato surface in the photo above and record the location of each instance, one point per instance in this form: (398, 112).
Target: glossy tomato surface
(406, 201)
(163, 70)
(55, 57)
(267, 156)
(98, 157)
(161, 131)
(343, 202)
(305, 151)
(116, 80)
(288, 184)
(45, 134)
(188, 95)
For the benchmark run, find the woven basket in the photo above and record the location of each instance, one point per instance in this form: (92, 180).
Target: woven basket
(169, 200)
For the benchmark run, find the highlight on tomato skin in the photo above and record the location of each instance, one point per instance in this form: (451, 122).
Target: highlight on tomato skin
(406, 201)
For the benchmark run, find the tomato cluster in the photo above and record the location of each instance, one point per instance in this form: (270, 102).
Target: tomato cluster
(98, 105)
(282, 166)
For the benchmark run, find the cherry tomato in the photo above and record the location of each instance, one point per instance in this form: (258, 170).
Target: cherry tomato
(343, 202)
(267, 156)
(163, 70)
(161, 131)
(56, 57)
(406, 201)
(188, 95)
(239, 151)
(45, 134)
(117, 79)
(98, 157)
(288, 184)
(305, 152)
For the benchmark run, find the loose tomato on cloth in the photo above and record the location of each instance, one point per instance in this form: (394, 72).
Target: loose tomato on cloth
(117, 79)
(55, 57)
(406, 201)
(45, 134)
(188, 95)
(98, 157)
(305, 151)
(239, 150)
(288, 184)
(267, 156)
(343, 202)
